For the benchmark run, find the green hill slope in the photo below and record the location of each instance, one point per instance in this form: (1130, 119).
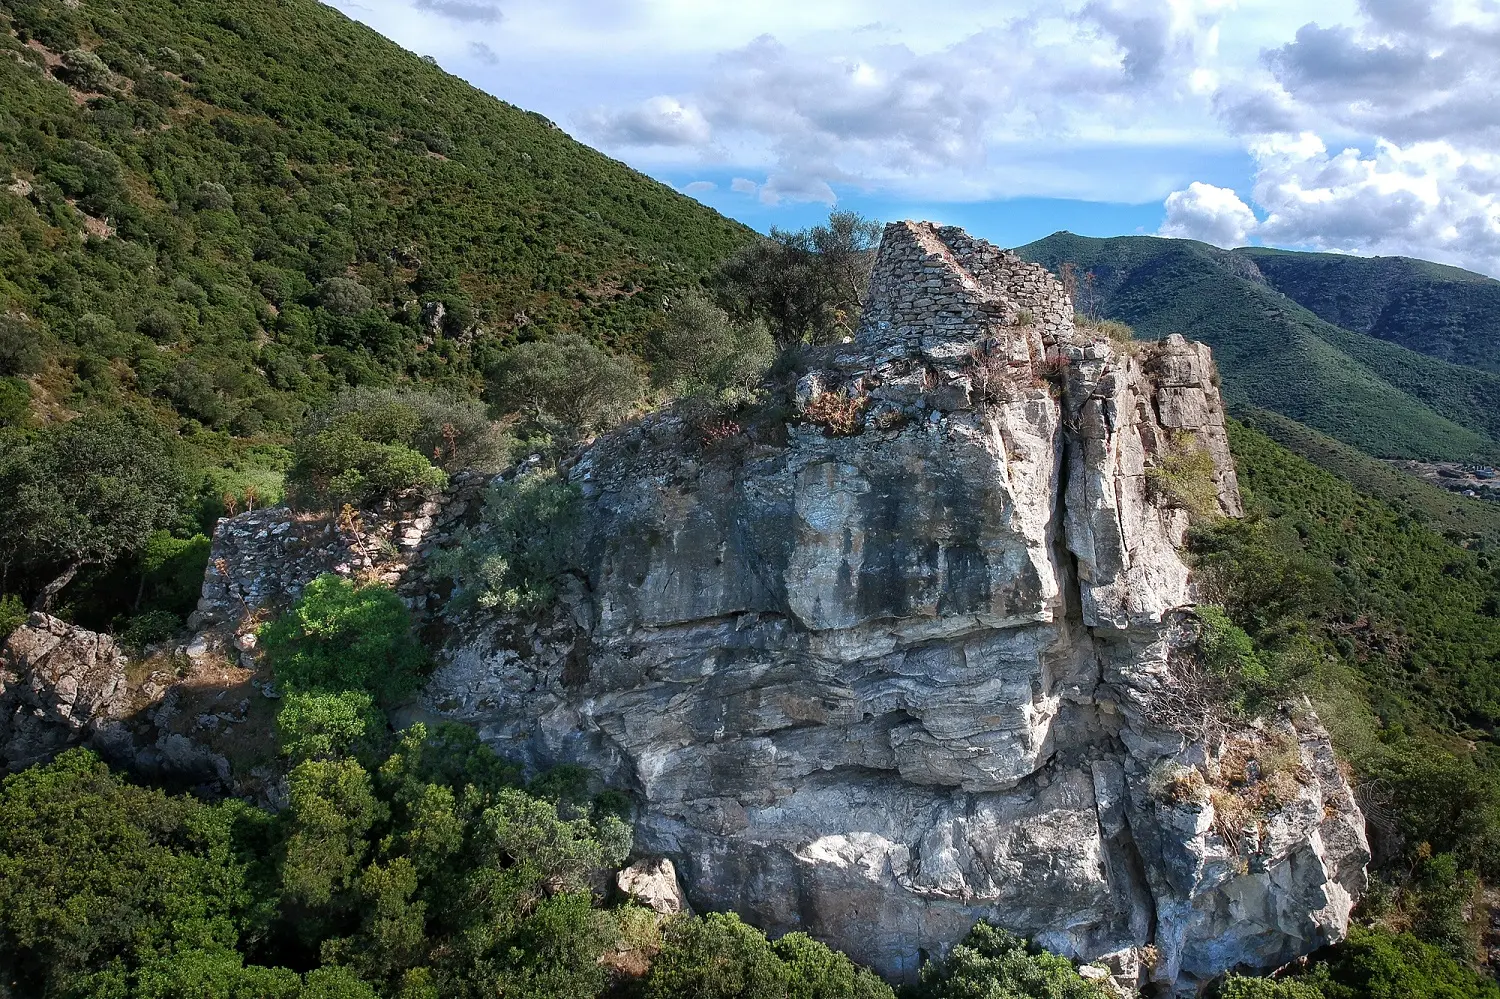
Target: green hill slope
(1379, 397)
(232, 207)
(1448, 512)
(1445, 312)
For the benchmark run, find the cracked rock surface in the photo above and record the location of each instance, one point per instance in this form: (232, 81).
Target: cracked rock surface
(876, 682)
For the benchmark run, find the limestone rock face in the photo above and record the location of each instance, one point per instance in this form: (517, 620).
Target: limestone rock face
(911, 663)
(652, 881)
(59, 686)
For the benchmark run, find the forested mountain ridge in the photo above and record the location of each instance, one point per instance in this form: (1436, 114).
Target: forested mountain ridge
(1444, 312)
(232, 208)
(1382, 398)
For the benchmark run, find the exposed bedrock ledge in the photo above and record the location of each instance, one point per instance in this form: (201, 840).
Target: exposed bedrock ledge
(879, 686)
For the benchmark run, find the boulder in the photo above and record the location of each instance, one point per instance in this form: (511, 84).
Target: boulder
(652, 882)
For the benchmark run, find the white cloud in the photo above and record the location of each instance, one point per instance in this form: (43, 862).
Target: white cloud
(659, 121)
(462, 10)
(700, 187)
(743, 185)
(967, 118)
(1212, 214)
(1426, 199)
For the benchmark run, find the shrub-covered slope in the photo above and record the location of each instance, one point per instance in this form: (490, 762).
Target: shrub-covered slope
(1445, 312)
(231, 207)
(1381, 398)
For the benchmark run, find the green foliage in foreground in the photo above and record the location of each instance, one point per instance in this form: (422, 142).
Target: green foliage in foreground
(1372, 965)
(296, 205)
(433, 873)
(719, 957)
(524, 542)
(344, 637)
(991, 963)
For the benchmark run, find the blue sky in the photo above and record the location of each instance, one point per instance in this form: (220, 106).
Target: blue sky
(1361, 126)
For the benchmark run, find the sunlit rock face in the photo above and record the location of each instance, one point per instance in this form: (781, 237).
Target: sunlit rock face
(879, 683)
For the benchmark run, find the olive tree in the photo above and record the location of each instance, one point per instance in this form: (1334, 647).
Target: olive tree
(85, 493)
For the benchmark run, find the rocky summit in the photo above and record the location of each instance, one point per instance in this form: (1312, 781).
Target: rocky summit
(929, 657)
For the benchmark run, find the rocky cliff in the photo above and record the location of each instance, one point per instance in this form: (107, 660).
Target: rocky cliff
(916, 652)
(925, 658)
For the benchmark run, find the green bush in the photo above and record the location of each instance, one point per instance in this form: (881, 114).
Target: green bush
(340, 637)
(15, 402)
(20, 347)
(323, 725)
(372, 443)
(523, 543)
(816, 971)
(807, 286)
(1373, 964)
(566, 384)
(700, 351)
(172, 572)
(1183, 476)
(716, 957)
(994, 964)
(149, 628)
(1248, 679)
(1239, 987)
(85, 493)
(12, 614)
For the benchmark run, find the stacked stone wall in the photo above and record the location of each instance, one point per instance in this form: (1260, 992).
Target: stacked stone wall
(933, 287)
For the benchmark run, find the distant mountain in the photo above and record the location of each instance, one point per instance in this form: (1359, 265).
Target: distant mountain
(1444, 312)
(231, 207)
(1380, 397)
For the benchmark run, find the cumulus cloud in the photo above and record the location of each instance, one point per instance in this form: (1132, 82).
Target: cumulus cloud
(467, 11)
(1427, 199)
(1212, 214)
(942, 120)
(660, 121)
(743, 185)
(700, 187)
(1406, 71)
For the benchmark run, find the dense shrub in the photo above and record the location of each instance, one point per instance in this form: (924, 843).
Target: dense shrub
(341, 637)
(699, 351)
(808, 286)
(1376, 965)
(368, 445)
(1183, 476)
(20, 347)
(523, 543)
(85, 493)
(399, 881)
(567, 385)
(12, 614)
(994, 964)
(719, 957)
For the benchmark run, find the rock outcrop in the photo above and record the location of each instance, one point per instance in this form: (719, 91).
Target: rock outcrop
(182, 718)
(60, 686)
(913, 659)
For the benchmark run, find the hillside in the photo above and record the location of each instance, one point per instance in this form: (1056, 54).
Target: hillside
(1379, 397)
(1444, 312)
(231, 208)
(1444, 511)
